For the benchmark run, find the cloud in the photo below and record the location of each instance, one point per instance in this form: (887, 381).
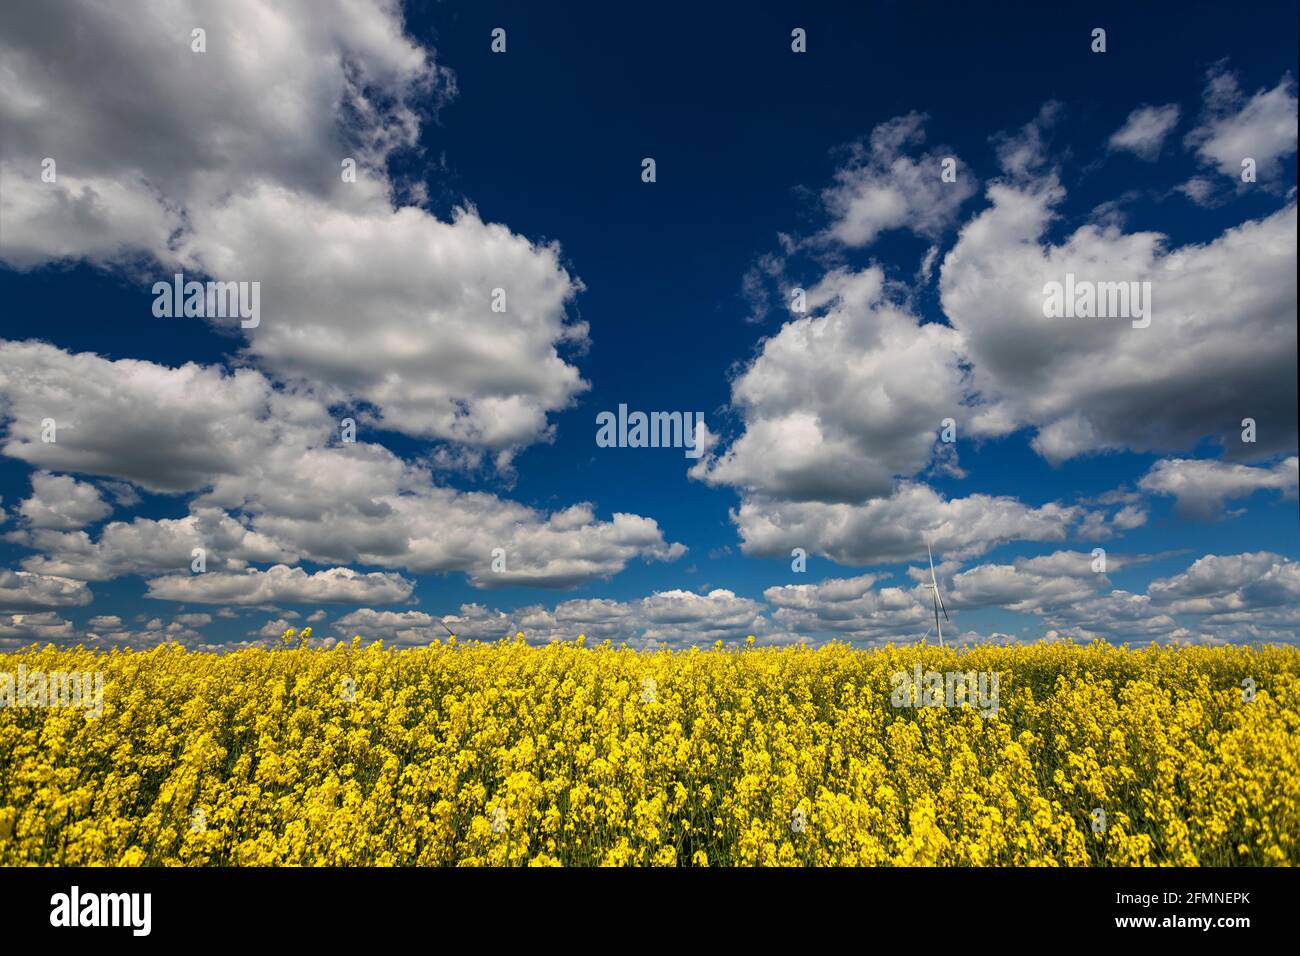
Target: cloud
(1128, 518)
(1201, 487)
(880, 188)
(149, 546)
(23, 590)
(62, 503)
(831, 425)
(1250, 597)
(165, 429)
(272, 630)
(1100, 525)
(107, 631)
(1222, 324)
(393, 308)
(1038, 584)
(851, 608)
(363, 505)
(1234, 127)
(1024, 153)
(1027, 585)
(841, 408)
(597, 619)
(227, 164)
(393, 627)
(265, 452)
(1118, 616)
(753, 288)
(1241, 582)
(282, 583)
(1199, 190)
(675, 618)
(18, 630)
(1232, 598)
(679, 616)
(895, 528)
(877, 188)
(836, 405)
(1279, 625)
(282, 92)
(1144, 132)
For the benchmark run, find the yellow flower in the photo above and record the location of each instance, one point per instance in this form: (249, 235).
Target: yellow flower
(506, 754)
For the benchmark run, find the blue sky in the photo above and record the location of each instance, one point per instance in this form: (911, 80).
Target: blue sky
(522, 170)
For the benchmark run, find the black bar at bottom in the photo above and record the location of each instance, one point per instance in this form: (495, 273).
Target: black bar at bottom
(338, 906)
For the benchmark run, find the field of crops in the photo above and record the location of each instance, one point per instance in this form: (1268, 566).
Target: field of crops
(569, 755)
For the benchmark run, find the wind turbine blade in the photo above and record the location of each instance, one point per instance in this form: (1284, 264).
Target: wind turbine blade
(938, 601)
(934, 583)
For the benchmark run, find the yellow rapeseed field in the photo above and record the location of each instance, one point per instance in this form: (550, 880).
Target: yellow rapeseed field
(505, 753)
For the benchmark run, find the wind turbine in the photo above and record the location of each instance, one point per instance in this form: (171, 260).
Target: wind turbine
(938, 598)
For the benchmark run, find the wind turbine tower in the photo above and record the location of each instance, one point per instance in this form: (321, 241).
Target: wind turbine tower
(938, 598)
